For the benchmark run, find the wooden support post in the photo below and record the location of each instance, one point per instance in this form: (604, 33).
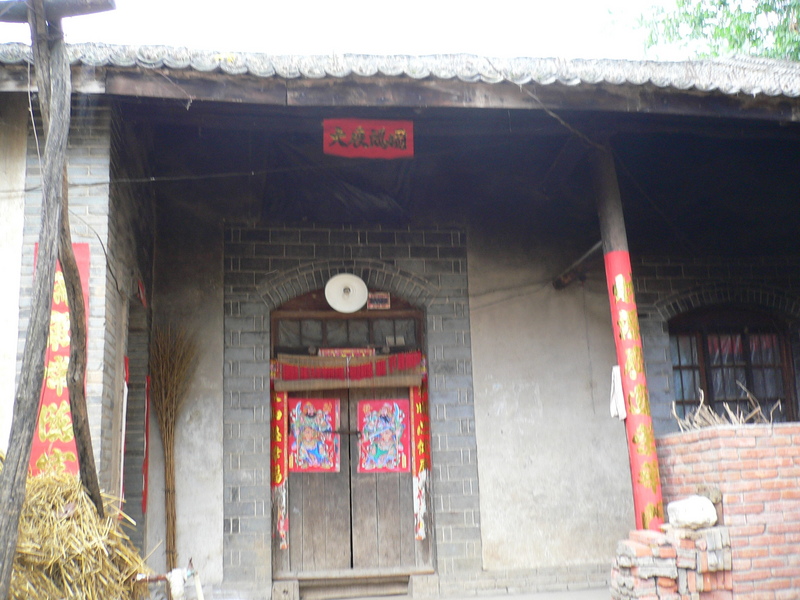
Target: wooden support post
(55, 92)
(47, 70)
(647, 500)
(26, 402)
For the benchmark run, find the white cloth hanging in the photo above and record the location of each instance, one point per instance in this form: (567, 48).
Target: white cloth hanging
(617, 402)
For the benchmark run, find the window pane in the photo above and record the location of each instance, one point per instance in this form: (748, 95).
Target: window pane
(728, 350)
(714, 350)
(759, 387)
(380, 329)
(673, 350)
(407, 329)
(358, 333)
(311, 332)
(289, 333)
(737, 350)
(717, 384)
(773, 384)
(690, 384)
(755, 349)
(336, 333)
(677, 380)
(770, 354)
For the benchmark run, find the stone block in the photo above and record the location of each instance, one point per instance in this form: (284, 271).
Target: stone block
(286, 590)
(694, 512)
(423, 586)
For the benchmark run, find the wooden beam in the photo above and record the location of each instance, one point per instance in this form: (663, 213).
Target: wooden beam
(16, 11)
(192, 85)
(85, 80)
(404, 92)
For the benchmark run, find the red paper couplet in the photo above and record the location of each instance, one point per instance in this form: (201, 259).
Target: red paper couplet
(279, 444)
(54, 440)
(368, 138)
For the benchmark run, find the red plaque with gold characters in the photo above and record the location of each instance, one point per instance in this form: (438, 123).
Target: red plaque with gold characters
(368, 138)
(647, 499)
(54, 441)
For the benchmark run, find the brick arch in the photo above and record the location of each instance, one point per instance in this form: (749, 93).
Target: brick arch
(774, 300)
(277, 288)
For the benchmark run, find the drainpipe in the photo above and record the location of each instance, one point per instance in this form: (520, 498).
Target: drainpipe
(647, 500)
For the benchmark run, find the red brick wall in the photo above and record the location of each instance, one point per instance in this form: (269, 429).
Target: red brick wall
(757, 469)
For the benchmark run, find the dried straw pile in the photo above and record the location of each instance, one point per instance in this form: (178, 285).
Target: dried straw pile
(704, 416)
(66, 551)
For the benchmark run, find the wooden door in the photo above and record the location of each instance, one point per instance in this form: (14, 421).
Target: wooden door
(319, 506)
(351, 521)
(382, 503)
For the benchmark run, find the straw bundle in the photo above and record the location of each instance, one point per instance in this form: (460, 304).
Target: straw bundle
(65, 550)
(703, 416)
(173, 357)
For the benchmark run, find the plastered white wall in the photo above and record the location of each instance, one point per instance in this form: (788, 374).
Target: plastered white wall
(188, 292)
(553, 468)
(13, 140)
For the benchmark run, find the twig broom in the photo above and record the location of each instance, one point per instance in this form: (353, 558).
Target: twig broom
(173, 357)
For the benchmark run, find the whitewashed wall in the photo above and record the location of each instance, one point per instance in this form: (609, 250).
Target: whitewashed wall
(554, 483)
(13, 140)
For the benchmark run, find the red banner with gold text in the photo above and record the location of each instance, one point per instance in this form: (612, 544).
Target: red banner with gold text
(54, 440)
(368, 138)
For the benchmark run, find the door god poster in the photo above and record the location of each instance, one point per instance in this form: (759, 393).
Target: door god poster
(313, 443)
(383, 443)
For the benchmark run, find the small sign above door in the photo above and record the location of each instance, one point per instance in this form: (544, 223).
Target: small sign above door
(368, 138)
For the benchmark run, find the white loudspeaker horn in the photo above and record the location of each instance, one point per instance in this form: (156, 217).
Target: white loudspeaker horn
(346, 293)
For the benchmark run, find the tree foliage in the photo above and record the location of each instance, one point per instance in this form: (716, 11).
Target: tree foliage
(768, 28)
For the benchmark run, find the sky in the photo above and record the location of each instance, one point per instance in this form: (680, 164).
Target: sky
(495, 28)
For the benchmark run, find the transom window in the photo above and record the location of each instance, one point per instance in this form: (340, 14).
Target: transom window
(306, 324)
(715, 351)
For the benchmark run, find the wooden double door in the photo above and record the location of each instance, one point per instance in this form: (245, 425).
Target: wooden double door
(350, 521)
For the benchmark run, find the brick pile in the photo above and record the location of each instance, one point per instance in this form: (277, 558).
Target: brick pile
(681, 564)
(756, 469)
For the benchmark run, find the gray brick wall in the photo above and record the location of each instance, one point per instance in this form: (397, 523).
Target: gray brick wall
(666, 287)
(265, 267)
(116, 222)
(88, 157)
(130, 256)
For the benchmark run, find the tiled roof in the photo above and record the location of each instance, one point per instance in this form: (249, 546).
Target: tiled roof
(753, 76)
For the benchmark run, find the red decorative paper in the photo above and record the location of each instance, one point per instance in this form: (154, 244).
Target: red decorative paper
(383, 443)
(368, 138)
(313, 443)
(356, 370)
(346, 352)
(279, 443)
(54, 440)
(420, 447)
(279, 459)
(647, 498)
(421, 424)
